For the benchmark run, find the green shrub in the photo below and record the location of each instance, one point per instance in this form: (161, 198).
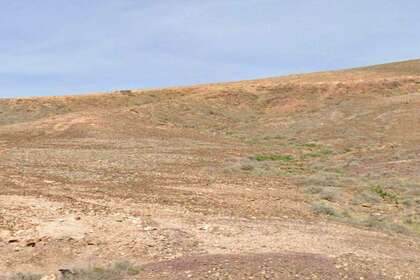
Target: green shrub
(383, 193)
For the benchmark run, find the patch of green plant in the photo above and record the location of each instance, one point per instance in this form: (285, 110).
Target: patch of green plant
(284, 158)
(383, 193)
(273, 137)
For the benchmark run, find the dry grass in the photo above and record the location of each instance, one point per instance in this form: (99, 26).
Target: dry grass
(117, 271)
(323, 209)
(26, 276)
(330, 194)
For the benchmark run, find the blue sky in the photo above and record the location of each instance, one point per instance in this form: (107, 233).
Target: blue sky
(56, 47)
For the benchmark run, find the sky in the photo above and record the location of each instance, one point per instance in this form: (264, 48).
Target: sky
(58, 47)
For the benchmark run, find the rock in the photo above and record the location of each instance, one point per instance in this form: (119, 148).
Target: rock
(30, 243)
(205, 227)
(49, 181)
(65, 272)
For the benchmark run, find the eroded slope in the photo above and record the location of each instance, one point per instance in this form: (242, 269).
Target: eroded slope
(321, 167)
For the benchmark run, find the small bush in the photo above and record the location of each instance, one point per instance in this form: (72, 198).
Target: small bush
(329, 194)
(322, 209)
(242, 165)
(247, 166)
(284, 158)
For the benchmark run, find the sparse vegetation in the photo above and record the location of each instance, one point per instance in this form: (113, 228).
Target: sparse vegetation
(382, 223)
(383, 193)
(313, 189)
(413, 224)
(366, 197)
(284, 158)
(310, 145)
(329, 194)
(117, 271)
(320, 153)
(245, 165)
(322, 209)
(26, 276)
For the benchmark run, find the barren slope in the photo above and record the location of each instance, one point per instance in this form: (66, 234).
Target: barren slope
(313, 175)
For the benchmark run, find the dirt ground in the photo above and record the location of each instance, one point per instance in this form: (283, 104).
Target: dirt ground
(301, 177)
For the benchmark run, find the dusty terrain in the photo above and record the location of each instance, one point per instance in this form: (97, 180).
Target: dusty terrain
(312, 176)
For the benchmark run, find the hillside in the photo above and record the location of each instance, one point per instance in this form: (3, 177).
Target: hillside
(313, 175)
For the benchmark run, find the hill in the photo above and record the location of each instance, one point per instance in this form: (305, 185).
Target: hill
(285, 178)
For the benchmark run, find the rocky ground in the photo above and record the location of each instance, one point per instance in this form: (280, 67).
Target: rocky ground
(301, 177)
